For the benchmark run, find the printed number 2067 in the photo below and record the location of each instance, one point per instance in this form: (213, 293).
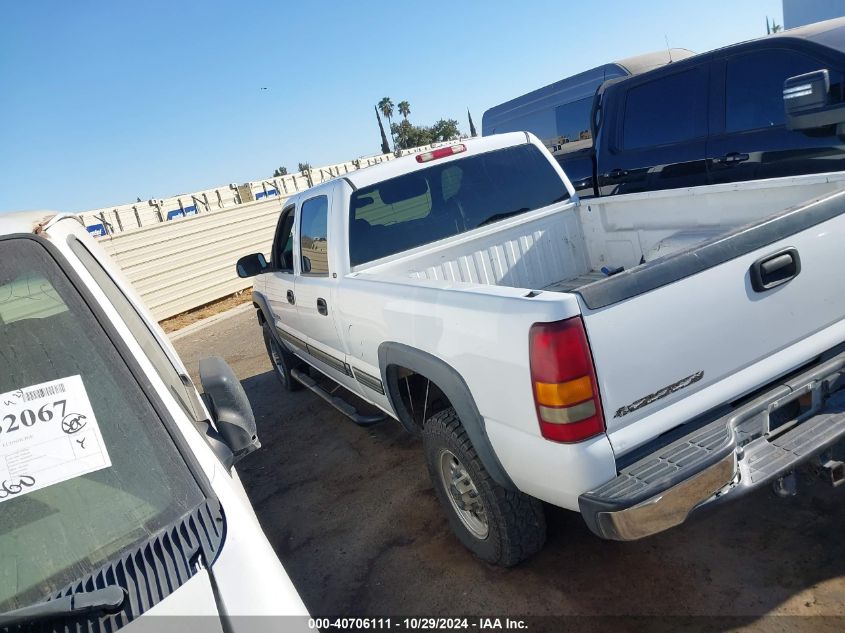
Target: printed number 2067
(28, 417)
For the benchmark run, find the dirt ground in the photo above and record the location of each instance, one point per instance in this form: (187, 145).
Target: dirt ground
(352, 515)
(215, 307)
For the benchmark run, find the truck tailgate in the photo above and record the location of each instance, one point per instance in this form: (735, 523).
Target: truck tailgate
(690, 332)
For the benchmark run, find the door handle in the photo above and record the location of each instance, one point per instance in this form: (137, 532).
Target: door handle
(291, 297)
(322, 308)
(616, 173)
(731, 158)
(774, 270)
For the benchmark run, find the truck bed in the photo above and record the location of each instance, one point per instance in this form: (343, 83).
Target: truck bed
(570, 285)
(563, 248)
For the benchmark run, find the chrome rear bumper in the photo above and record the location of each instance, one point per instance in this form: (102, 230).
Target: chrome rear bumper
(752, 446)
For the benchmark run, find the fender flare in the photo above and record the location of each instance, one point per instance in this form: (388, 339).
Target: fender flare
(263, 312)
(453, 387)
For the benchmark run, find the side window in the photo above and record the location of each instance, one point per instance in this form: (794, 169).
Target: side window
(283, 243)
(573, 120)
(667, 110)
(313, 236)
(754, 86)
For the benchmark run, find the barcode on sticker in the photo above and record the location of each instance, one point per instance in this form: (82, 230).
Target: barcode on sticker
(43, 392)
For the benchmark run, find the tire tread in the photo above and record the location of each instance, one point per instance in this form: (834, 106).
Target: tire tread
(520, 520)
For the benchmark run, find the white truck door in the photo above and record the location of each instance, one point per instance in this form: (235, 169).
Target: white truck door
(315, 290)
(280, 281)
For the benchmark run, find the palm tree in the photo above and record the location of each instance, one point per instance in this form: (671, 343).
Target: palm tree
(385, 147)
(774, 28)
(404, 109)
(386, 107)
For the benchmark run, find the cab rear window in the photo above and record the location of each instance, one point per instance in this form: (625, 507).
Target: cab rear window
(449, 198)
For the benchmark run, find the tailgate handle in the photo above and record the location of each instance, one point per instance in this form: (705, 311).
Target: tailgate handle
(774, 270)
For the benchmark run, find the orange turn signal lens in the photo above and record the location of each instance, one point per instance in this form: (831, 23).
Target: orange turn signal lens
(563, 394)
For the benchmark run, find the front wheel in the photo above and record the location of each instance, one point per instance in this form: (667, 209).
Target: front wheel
(281, 360)
(500, 526)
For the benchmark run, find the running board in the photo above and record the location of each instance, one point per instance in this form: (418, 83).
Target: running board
(337, 402)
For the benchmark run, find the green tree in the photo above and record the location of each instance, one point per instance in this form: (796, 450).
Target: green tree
(404, 109)
(445, 130)
(773, 28)
(280, 171)
(409, 136)
(304, 166)
(386, 107)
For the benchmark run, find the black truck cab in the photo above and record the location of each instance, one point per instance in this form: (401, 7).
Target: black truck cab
(717, 117)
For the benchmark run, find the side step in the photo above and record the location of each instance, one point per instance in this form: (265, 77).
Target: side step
(337, 402)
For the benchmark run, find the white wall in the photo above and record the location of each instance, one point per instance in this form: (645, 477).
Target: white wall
(801, 12)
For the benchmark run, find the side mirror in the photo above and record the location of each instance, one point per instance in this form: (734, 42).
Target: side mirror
(251, 265)
(806, 102)
(229, 407)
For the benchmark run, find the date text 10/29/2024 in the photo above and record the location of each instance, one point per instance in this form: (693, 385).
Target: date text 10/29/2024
(417, 624)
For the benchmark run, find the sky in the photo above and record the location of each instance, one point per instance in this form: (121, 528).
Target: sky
(103, 102)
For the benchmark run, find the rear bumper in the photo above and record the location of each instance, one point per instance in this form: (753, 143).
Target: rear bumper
(755, 444)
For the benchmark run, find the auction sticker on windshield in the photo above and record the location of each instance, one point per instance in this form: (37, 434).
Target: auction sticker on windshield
(48, 434)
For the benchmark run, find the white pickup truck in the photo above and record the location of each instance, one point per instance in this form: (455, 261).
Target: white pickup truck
(118, 497)
(633, 358)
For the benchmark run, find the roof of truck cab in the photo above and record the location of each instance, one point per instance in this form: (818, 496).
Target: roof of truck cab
(407, 164)
(649, 61)
(829, 33)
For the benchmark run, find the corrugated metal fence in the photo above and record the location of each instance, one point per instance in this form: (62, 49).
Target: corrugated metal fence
(179, 265)
(180, 252)
(128, 217)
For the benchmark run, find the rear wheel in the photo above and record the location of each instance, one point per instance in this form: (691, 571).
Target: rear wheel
(281, 360)
(500, 526)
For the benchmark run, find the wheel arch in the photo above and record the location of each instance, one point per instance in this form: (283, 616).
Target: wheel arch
(394, 357)
(262, 307)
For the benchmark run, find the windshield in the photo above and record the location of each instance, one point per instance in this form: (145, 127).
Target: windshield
(449, 198)
(87, 468)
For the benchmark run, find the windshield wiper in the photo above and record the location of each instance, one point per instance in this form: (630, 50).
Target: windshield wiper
(108, 599)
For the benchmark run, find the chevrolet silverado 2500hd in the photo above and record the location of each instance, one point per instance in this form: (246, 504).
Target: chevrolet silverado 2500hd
(632, 358)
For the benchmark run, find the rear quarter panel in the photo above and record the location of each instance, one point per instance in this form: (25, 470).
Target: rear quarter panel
(482, 333)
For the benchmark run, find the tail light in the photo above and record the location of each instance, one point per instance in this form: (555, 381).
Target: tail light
(451, 150)
(563, 378)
